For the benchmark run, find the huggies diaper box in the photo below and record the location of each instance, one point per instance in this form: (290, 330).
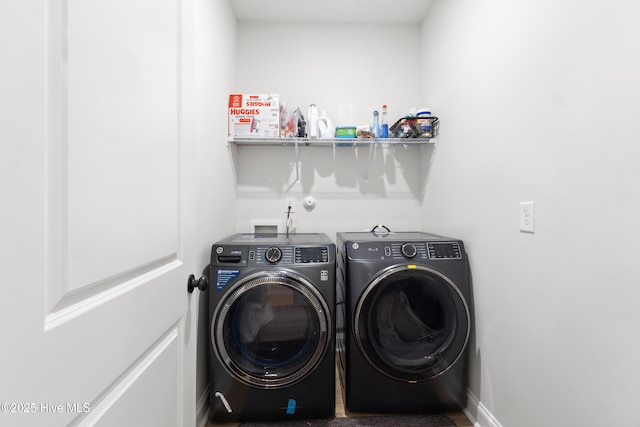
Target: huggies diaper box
(256, 116)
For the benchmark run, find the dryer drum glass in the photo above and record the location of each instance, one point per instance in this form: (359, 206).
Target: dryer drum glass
(409, 325)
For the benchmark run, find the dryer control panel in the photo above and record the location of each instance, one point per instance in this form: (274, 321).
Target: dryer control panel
(404, 251)
(444, 250)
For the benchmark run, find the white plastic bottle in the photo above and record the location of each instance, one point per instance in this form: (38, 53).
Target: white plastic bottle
(312, 122)
(326, 129)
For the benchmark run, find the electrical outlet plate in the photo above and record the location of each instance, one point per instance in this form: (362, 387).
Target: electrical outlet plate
(527, 217)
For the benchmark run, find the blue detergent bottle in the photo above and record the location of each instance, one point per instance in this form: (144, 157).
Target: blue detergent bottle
(384, 128)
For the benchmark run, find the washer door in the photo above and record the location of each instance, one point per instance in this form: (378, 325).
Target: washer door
(271, 329)
(411, 323)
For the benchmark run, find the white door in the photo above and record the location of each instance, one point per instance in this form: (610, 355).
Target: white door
(96, 213)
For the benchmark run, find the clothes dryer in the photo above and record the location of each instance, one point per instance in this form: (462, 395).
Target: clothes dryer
(405, 299)
(272, 317)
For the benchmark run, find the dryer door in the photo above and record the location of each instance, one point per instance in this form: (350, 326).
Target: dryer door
(411, 323)
(272, 329)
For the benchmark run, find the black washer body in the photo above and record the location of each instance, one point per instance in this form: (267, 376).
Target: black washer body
(403, 322)
(272, 327)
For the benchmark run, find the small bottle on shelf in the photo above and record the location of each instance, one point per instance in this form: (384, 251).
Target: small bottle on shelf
(312, 122)
(384, 128)
(424, 122)
(375, 128)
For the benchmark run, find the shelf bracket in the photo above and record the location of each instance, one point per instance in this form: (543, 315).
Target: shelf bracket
(233, 156)
(297, 163)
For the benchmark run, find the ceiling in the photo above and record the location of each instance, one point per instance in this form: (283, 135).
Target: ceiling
(356, 11)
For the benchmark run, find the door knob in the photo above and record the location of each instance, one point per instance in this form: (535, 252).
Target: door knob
(202, 283)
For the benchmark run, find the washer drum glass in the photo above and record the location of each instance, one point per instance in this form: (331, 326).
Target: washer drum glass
(272, 329)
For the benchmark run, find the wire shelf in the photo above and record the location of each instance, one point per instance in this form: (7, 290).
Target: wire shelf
(330, 142)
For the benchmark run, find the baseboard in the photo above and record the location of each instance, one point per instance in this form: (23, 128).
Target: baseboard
(478, 414)
(202, 408)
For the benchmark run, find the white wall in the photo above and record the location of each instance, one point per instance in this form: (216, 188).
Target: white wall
(215, 39)
(329, 64)
(539, 101)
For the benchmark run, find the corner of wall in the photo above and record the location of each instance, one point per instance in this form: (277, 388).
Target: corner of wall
(479, 414)
(202, 408)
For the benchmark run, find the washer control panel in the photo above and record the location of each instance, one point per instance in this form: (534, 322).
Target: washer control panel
(311, 254)
(272, 255)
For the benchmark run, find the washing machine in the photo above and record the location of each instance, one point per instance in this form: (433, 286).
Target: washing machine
(404, 303)
(272, 318)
